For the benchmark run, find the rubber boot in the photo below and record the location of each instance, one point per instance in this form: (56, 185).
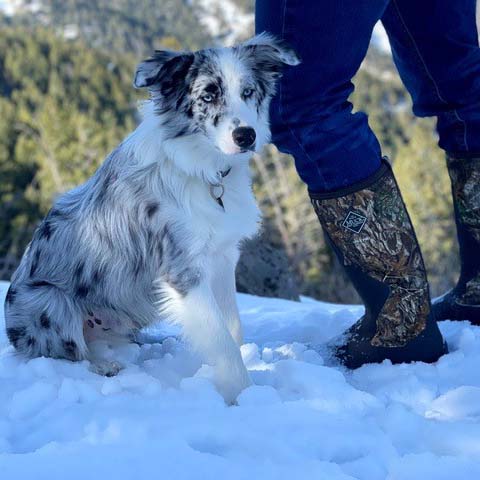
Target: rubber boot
(463, 302)
(370, 231)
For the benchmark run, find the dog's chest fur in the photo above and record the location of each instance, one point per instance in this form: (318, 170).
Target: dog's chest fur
(222, 228)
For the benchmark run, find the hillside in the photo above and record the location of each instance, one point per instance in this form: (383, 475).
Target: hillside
(53, 137)
(64, 107)
(124, 26)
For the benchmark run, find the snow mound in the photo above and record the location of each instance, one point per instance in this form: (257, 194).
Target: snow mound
(305, 417)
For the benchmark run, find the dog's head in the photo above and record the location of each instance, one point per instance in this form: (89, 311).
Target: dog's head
(220, 95)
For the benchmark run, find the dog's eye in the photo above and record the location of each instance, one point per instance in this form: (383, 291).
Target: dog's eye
(207, 98)
(247, 92)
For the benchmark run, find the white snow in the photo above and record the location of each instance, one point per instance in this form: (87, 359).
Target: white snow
(225, 21)
(12, 7)
(380, 39)
(305, 417)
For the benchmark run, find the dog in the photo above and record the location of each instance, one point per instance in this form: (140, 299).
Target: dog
(155, 232)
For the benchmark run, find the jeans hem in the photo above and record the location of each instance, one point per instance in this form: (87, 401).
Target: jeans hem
(356, 187)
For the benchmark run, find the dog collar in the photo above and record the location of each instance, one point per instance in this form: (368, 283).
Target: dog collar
(217, 189)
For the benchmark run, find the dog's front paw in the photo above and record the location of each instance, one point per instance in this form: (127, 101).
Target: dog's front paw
(106, 368)
(231, 386)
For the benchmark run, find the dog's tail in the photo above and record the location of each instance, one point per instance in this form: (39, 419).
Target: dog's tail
(41, 320)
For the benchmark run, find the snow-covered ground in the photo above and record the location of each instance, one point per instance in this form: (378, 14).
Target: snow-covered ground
(380, 39)
(305, 418)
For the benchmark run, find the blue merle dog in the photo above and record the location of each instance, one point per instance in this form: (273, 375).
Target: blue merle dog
(155, 232)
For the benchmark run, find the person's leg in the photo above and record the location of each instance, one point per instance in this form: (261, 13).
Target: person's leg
(354, 194)
(435, 47)
(311, 117)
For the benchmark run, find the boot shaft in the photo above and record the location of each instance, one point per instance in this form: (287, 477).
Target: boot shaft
(465, 178)
(374, 238)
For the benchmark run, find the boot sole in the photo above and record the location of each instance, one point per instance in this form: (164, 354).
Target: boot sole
(428, 347)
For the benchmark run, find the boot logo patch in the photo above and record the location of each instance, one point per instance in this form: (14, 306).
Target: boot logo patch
(354, 222)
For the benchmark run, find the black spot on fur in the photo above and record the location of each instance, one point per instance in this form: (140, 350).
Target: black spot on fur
(216, 119)
(34, 265)
(45, 230)
(48, 348)
(261, 91)
(97, 276)
(212, 88)
(11, 293)
(151, 209)
(15, 335)
(54, 213)
(90, 323)
(31, 342)
(98, 321)
(173, 74)
(79, 270)
(44, 320)
(82, 291)
(70, 348)
(219, 82)
(40, 283)
(180, 133)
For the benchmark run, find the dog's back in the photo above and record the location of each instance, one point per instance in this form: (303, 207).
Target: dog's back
(94, 260)
(72, 271)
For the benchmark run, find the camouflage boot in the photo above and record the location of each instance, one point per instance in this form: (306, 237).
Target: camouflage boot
(371, 233)
(463, 302)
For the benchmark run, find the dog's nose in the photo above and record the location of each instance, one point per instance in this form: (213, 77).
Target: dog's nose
(244, 137)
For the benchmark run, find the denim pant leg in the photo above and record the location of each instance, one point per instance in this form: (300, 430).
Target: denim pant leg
(435, 47)
(311, 117)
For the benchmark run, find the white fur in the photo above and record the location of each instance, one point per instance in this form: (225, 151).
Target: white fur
(208, 314)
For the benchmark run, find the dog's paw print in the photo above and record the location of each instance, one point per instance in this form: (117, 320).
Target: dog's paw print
(92, 320)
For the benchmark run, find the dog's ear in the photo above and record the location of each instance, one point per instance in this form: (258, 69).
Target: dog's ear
(163, 65)
(271, 54)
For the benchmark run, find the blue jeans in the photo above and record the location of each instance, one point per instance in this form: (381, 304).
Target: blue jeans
(435, 48)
